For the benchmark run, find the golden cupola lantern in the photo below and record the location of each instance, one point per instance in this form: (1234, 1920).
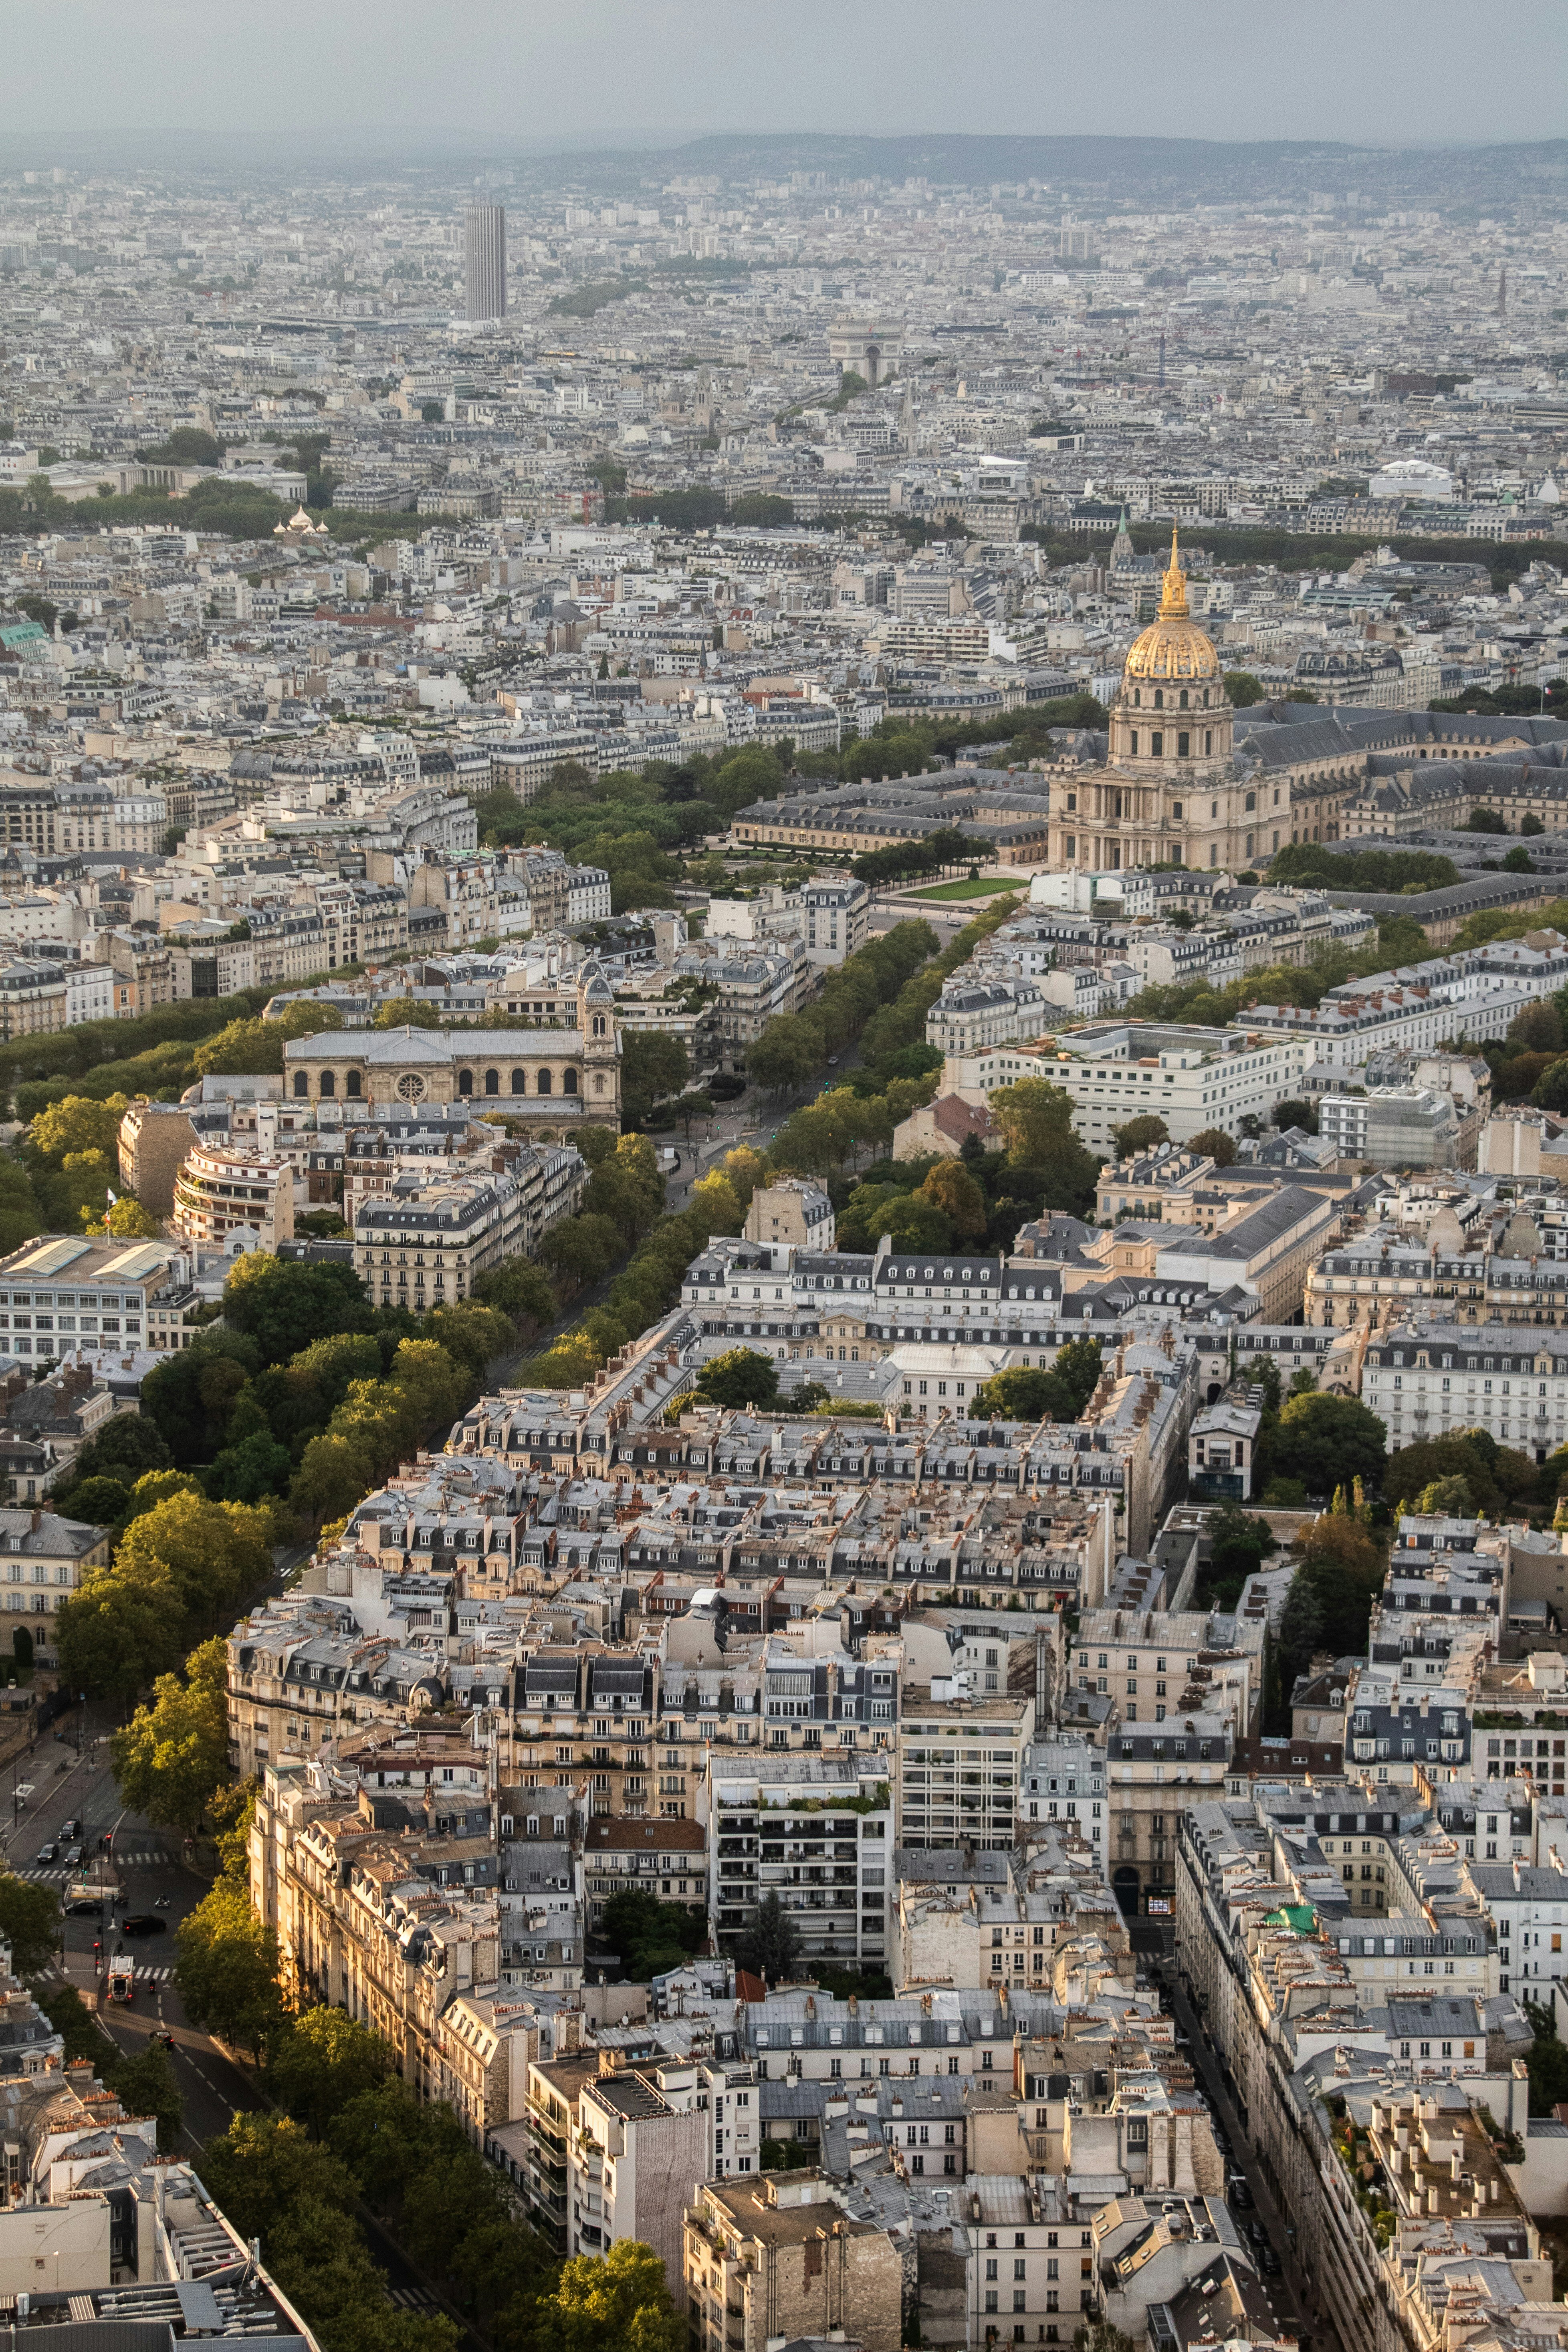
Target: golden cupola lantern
(1172, 650)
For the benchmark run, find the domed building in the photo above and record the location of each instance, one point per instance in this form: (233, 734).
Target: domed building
(1172, 792)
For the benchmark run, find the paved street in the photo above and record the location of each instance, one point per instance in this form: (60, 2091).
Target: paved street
(67, 1786)
(1291, 2295)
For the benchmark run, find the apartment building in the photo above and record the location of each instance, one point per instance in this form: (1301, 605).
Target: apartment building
(229, 1201)
(961, 1765)
(61, 1293)
(816, 1830)
(1369, 1280)
(43, 1558)
(753, 985)
(781, 2259)
(979, 1009)
(34, 998)
(1269, 1249)
(835, 910)
(625, 1853)
(1392, 1126)
(634, 2160)
(1423, 1381)
(422, 1243)
(587, 1713)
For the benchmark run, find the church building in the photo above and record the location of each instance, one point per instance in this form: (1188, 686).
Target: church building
(563, 1074)
(1176, 790)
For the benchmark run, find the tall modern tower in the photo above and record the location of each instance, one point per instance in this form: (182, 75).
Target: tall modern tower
(484, 262)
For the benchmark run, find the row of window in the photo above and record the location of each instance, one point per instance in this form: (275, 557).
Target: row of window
(353, 1084)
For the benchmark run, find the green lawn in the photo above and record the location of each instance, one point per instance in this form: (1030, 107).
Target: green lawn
(963, 890)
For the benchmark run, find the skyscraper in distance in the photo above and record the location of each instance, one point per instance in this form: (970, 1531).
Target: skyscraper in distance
(484, 262)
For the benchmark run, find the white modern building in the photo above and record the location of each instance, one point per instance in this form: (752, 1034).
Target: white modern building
(1191, 1077)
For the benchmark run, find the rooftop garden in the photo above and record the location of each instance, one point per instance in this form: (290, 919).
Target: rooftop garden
(1352, 2146)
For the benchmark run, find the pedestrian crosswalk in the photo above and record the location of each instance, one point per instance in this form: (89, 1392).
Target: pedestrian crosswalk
(59, 1872)
(412, 2298)
(146, 1974)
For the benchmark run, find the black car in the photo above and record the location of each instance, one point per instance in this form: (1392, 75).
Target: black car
(84, 1904)
(1269, 2262)
(1258, 2234)
(45, 1853)
(143, 1923)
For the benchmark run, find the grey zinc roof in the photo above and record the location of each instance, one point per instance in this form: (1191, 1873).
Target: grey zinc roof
(396, 1046)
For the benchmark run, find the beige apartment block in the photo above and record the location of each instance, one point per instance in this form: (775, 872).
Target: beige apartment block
(778, 2258)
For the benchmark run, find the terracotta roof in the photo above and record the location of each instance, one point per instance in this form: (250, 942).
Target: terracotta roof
(958, 1118)
(617, 1831)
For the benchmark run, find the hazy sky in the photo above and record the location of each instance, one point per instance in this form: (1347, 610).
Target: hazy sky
(517, 73)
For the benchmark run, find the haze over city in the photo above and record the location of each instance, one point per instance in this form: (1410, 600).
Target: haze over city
(784, 1178)
(658, 71)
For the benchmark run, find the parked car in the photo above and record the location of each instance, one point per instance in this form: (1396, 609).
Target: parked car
(1239, 2193)
(1269, 2262)
(83, 1904)
(143, 1923)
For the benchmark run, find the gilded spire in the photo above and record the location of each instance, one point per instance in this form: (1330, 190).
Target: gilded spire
(1173, 602)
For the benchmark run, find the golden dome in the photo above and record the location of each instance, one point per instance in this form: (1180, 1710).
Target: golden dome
(1173, 648)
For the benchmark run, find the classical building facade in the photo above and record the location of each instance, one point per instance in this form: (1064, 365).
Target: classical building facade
(1176, 789)
(564, 1075)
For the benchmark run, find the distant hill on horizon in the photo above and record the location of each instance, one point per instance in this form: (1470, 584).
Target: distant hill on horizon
(1097, 165)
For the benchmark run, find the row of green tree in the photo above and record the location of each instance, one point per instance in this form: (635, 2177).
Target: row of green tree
(1308, 865)
(794, 1047)
(649, 1284)
(1297, 551)
(154, 1052)
(346, 2141)
(225, 506)
(254, 1430)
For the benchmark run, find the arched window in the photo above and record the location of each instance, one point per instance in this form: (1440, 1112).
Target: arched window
(1134, 742)
(543, 1083)
(569, 1082)
(493, 1082)
(1183, 698)
(519, 1082)
(301, 1085)
(1137, 695)
(598, 1024)
(353, 1086)
(1158, 697)
(1251, 803)
(328, 1084)
(465, 1082)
